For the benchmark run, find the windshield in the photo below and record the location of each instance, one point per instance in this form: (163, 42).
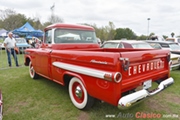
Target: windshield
(74, 36)
(155, 45)
(174, 47)
(21, 40)
(141, 45)
(110, 45)
(178, 40)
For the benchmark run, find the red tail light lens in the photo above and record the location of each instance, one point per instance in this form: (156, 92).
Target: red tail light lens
(117, 77)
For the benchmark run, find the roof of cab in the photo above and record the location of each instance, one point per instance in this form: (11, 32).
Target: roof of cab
(70, 26)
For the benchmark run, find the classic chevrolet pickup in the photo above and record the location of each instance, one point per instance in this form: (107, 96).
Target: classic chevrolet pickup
(71, 56)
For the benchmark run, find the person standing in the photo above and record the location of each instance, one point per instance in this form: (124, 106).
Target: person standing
(10, 44)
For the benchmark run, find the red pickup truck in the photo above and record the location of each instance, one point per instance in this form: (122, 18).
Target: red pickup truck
(71, 56)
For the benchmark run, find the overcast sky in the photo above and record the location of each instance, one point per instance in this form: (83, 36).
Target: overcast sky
(164, 14)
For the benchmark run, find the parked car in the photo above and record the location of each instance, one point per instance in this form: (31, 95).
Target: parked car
(175, 64)
(35, 42)
(126, 44)
(22, 44)
(1, 105)
(175, 58)
(172, 46)
(99, 41)
(2, 46)
(176, 40)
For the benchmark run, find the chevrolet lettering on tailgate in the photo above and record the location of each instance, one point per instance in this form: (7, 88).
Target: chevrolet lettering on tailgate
(145, 67)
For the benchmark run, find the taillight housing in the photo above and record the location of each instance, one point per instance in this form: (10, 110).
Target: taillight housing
(117, 77)
(168, 57)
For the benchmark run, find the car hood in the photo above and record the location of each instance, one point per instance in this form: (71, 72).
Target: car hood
(22, 45)
(174, 56)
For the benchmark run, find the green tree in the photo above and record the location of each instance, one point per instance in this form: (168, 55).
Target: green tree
(46, 24)
(111, 31)
(104, 33)
(35, 22)
(122, 33)
(1, 24)
(165, 36)
(142, 37)
(55, 19)
(172, 34)
(14, 21)
(6, 13)
(10, 20)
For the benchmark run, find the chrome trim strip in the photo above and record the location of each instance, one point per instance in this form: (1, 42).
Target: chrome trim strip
(82, 70)
(176, 65)
(136, 97)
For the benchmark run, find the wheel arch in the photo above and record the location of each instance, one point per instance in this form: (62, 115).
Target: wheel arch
(69, 75)
(27, 61)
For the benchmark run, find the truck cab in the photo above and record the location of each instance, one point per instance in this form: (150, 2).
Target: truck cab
(75, 34)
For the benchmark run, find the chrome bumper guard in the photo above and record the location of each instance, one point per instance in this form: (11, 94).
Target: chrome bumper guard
(134, 98)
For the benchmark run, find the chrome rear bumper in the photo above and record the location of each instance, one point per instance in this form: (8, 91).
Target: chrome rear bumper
(134, 98)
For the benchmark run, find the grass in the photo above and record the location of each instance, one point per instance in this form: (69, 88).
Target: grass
(3, 59)
(42, 99)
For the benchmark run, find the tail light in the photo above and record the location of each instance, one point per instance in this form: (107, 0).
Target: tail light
(117, 77)
(168, 57)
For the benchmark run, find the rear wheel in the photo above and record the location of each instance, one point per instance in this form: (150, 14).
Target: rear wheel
(78, 94)
(32, 72)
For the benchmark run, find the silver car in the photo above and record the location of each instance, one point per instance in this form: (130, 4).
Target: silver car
(173, 47)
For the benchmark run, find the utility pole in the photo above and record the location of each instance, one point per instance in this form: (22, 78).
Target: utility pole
(52, 13)
(148, 28)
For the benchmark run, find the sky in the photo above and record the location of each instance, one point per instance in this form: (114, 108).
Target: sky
(164, 14)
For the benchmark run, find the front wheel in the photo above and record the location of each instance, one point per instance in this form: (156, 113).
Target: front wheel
(78, 94)
(32, 72)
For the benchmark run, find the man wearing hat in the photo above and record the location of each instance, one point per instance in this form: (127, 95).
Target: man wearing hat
(10, 44)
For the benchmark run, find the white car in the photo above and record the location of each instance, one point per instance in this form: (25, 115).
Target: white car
(172, 46)
(175, 58)
(2, 46)
(126, 44)
(99, 41)
(176, 40)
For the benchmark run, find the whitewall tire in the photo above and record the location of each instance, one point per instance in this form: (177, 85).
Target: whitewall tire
(32, 72)
(78, 94)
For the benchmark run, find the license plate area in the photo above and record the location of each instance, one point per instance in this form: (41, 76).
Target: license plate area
(147, 84)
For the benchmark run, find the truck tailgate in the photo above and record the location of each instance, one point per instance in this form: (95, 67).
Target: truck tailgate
(141, 66)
